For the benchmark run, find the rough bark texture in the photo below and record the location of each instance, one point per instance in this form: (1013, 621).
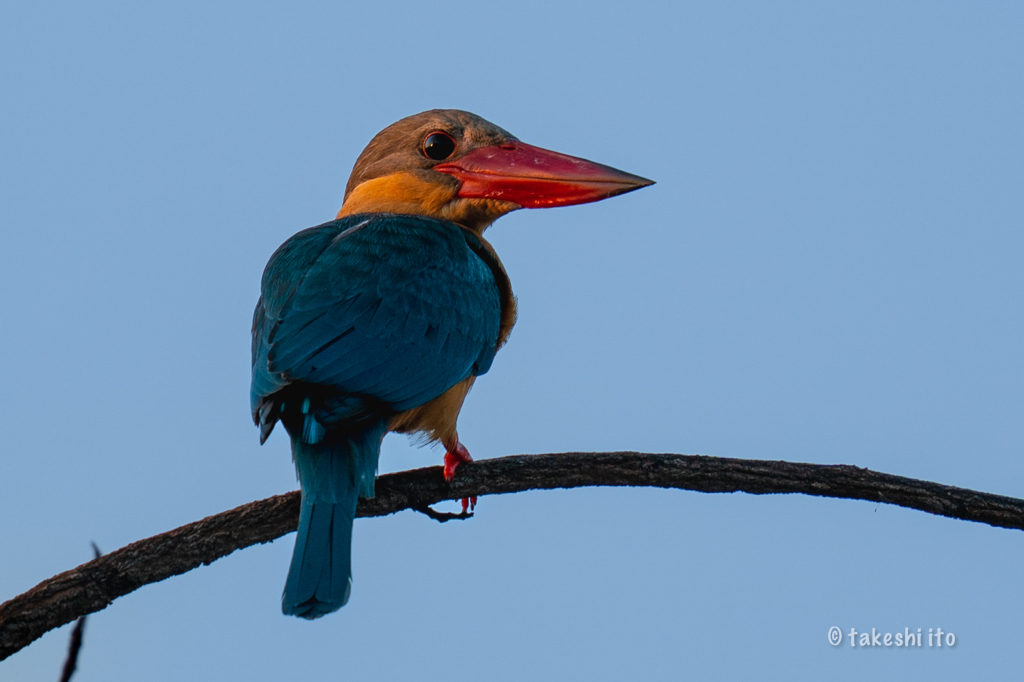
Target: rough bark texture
(94, 585)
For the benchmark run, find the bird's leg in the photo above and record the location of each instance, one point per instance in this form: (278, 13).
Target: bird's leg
(456, 453)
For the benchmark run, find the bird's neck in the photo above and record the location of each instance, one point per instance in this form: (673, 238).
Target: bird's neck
(397, 193)
(411, 194)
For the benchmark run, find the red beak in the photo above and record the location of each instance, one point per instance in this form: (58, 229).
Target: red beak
(537, 178)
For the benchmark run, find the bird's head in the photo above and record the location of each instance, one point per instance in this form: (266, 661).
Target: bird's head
(456, 166)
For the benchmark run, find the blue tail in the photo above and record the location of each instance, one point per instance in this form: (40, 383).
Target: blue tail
(334, 473)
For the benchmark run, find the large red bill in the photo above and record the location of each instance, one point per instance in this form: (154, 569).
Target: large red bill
(537, 178)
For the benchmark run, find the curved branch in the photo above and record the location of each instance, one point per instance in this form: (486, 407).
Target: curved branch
(94, 585)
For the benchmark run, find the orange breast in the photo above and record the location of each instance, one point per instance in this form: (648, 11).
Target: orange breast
(437, 419)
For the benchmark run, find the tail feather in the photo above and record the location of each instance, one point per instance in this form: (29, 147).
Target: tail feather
(334, 473)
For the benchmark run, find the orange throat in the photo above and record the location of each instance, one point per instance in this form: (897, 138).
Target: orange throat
(413, 194)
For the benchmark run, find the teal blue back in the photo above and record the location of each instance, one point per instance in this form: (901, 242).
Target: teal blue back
(359, 319)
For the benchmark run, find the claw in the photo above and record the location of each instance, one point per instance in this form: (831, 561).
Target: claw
(456, 455)
(453, 458)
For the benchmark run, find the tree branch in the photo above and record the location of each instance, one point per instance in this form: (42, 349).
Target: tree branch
(94, 585)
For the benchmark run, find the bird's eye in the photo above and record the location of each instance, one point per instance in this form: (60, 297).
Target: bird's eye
(438, 146)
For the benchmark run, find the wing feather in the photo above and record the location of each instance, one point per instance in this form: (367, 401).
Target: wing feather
(392, 308)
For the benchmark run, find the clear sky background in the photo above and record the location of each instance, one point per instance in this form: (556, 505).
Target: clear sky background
(828, 270)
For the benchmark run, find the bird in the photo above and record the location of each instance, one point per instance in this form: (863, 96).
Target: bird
(381, 320)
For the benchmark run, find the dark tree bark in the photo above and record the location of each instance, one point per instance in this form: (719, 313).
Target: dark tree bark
(94, 585)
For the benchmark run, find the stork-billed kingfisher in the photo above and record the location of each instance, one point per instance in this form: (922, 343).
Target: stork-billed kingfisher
(382, 319)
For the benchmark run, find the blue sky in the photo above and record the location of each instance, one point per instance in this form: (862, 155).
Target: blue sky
(828, 270)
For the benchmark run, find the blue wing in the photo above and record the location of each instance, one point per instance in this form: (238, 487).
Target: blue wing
(384, 312)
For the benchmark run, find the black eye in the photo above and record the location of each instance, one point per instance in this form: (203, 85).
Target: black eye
(438, 146)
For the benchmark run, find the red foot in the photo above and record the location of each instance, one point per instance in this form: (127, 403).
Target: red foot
(455, 456)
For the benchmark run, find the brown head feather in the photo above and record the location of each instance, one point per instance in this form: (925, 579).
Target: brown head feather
(393, 173)
(399, 147)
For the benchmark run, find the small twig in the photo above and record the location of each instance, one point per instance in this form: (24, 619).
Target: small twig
(76, 638)
(441, 517)
(73, 648)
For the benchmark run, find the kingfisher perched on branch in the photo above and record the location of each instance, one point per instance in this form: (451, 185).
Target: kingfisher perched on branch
(382, 319)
